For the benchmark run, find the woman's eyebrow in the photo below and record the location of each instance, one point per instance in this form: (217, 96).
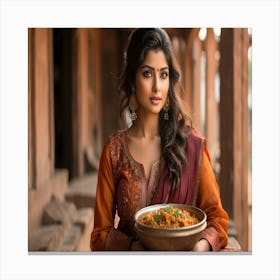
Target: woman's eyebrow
(150, 67)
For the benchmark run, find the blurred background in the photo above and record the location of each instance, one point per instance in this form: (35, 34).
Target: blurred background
(73, 106)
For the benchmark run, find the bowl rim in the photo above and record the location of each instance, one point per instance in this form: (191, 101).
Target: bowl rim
(163, 205)
(161, 232)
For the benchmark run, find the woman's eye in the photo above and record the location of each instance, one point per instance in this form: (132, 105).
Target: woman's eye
(147, 74)
(164, 75)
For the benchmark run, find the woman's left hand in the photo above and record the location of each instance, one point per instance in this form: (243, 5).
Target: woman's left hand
(202, 246)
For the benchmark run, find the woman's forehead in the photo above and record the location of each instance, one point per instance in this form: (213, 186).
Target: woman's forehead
(155, 59)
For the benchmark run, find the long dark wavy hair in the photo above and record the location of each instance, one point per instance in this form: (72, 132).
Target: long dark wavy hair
(173, 131)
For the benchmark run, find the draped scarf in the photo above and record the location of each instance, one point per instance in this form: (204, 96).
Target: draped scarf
(187, 190)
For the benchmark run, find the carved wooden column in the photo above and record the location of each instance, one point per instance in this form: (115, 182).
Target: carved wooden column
(211, 120)
(79, 95)
(196, 105)
(189, 73)
(234, 128)
(40, 113)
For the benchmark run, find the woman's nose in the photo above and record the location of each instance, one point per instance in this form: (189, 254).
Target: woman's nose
(156, 84)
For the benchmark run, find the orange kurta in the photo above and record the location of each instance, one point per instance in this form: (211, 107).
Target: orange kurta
(122, 186)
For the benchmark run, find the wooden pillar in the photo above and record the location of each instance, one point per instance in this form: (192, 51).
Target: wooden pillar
(211, 103)
(112, 48)
(234, 128)
(88, 126)
(93, 71)
(196, 105)
(31, 117)
(188, 73)
(79, 57)
(241, 202)
(82, 99)
(95, 124)
(43, 180)
(40, 100)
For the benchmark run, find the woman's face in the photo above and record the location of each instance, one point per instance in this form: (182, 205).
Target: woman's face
(152, 82)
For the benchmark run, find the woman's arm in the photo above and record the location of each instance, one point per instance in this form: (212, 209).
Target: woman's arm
(210, 202)
(104, 236)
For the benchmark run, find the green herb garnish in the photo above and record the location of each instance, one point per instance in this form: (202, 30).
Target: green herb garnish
(157, 218)
(177, 213)
(167, 208)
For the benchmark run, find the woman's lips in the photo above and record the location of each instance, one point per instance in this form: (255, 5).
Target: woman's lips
(155, 100)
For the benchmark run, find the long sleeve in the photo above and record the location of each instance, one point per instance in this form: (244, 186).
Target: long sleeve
(104, 210)
(104, 236)
(209, 200)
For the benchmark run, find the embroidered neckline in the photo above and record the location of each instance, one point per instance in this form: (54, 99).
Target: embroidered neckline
(149, 183)
(130, 156)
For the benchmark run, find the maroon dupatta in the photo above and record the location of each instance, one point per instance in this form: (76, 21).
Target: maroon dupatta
(186, 193)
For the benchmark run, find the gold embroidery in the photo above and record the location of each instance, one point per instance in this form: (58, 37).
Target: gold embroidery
(133, 190)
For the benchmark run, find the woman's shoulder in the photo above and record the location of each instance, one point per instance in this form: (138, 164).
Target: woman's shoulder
(115, 140)
(116, 147)
(116, 135)
(193, 134)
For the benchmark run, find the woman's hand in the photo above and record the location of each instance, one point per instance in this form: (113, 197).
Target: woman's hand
(202, 246)
(136, 246)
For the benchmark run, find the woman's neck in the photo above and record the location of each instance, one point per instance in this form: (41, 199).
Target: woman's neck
(145, 127)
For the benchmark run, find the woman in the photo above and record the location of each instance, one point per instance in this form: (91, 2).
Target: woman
(159, 159)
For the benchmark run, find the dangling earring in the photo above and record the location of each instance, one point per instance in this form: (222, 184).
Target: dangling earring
(166, 109)
(133, 107)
